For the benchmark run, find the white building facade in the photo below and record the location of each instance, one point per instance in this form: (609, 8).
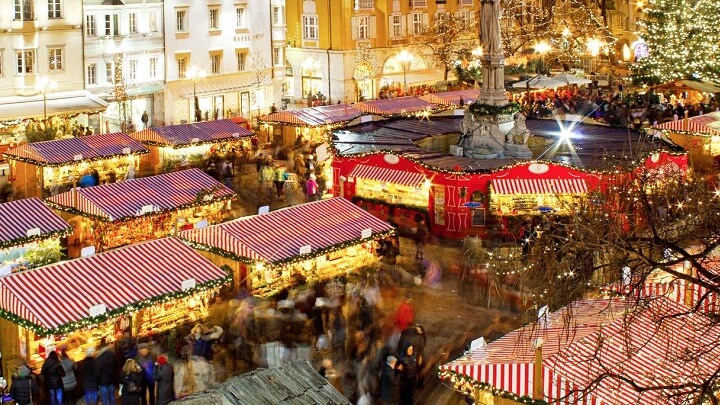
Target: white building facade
(226, 54)
(124, 46)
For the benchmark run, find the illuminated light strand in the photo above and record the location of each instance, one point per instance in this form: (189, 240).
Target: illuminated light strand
(467, 386)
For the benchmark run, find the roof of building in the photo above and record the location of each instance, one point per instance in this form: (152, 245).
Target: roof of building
(335, 114)
(27, 219)
(190, 134)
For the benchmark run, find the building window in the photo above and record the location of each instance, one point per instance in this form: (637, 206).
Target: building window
(109, 73)
(112, 24)
(363, 27)
(364, 4)
(466, 2)
(240, 17)
(396, 30)
(132, 69)
(55, 59)
(25, 61)
(214, 19)
(180, 24)
(419, 3)
(153, 21)
(92, 74)
(153, 67)
(277, 56)
(242, 61)
(215, 64)
(276, 16)
(132, 23)
(90, 25)
(54, 9)
(417, 23)
(310, 27)
(182, 67)
(24, 10)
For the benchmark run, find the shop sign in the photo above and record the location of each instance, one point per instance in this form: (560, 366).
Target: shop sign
(32, 232)
(538, 168)
(194, 140)
(201, 224)
(78, 157)
(321, 152)
(366, 233)
(126, 151)
(236, 134)
(208, 197)
(97, 310)
(188, 284)
(146, 209)
(305, 250)
(87, 251)
(391, 159)
(264, 209)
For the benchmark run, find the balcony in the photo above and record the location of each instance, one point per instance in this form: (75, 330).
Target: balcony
(364, 4)
(418, 3)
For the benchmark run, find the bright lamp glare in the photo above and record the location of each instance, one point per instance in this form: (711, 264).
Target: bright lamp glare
(566, 134)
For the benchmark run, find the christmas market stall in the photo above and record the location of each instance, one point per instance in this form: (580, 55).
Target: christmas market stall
(153, 207)
(310, 125)
(30, 234)
(699, 135)
(174, 147)
(313, 241)
(398, 107)
(147, 288)
(687, 91)
(41, 169)
(590, 352)
(453, 99)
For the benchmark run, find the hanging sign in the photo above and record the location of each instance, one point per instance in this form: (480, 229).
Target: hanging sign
(87, 251)
(195, 140)
(188, 284)
(126, 151)
(32, 232)
(97, 310)
(305, 250)
(366, 233)
(202, 224)
(78, 157)
(264, 209)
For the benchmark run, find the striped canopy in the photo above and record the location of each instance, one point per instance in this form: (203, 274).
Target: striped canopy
(188, 134)
(707, 124)
(63, 151)
(314, 116)
(61, 295)
(385, 175)
(452, 98)
(20, 216)
(539, 186)
(396, 106)
(144, 196)
(280, 234)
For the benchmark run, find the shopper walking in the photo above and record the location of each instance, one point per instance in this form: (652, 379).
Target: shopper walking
(279, 179)
(69, 379)
(164, 379)
(106, 368)
(90, 378)
(131, 383)
(389, 384)
(146, 360)
(311, 188)
(52, 372)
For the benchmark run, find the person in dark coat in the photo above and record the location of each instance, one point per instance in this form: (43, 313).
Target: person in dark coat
(389, 383)
(24, 388)
(415, 336)
(146, 360)
(409, 374)
(106, 368)
(52, 372)
(131, 379)
(164, 376)
(90, 378)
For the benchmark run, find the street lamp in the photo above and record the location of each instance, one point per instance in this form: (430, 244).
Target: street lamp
(542, 48)
(194, 73)
(405, 58)
(44, 85)
(477, 53)
(593, 46)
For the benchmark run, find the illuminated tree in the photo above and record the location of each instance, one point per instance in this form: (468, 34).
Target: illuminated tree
(120, 95)
(683, 37)
(365, 61)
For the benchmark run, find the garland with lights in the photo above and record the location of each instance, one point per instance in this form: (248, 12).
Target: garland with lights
(478, 109)
(35, 162)
(334, 125)
(467, 385)
(367, 200)
(35, 238)
(198, 143)
(117, 312)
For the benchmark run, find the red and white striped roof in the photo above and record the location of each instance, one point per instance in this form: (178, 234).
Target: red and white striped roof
(62, 151)
(386, 175)
(58, 294)
(167, 191)
(395, 106)
(707, 124)
(280, 234)
(539, 186)
(196, 132)
(452, 98)
(17, 217)
(314, 116)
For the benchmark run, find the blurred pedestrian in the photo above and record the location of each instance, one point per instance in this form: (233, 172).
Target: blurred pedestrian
(279, 179)
(24, 390)
(90, 377)
(389, 381)
(300, 169)
(405, 315)
(421, 236)
(146, 360)
(52, 371)
(329, 372)
(311, 188)
(409, 375)
(164, 380)
(131, 383)
(106, 367)
(69, 380)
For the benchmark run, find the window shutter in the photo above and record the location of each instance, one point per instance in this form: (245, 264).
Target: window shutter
(390, 27)
(372, 27)
(354, 28)
(403, 27)
(425, 21)
(408, 24)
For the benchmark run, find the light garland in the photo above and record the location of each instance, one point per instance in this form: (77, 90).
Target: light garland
(478, 109)
(189, 144)
(70, 162)
(36, 238)
(467, 386)
(367, 200)
(92, 322)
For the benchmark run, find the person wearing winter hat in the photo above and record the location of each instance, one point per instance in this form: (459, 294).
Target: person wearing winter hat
(164, 378)
(24, 388)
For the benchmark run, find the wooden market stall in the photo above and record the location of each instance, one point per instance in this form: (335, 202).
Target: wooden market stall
(453, 99)
(183, 146)
(147, 288)
(399, 107)
(589, 352)
(313, 241)
(41, 169)
(153, 207)
(310, 125)
(700, 136)
(689, 91)
(30, 234)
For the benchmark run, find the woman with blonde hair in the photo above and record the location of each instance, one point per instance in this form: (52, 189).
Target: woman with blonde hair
(131, 380)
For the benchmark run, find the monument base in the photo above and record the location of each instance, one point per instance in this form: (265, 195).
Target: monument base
(518, 151)
(487, 135)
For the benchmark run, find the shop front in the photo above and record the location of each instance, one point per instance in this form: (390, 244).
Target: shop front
(42, 169)
(518, 197)
(118, 214)
(30, 235)
(292, 246)
(700, 136)
(175, 147)
(146, 289)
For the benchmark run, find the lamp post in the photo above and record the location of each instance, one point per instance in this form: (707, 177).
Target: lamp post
(542, 48)
(405, 58)
(44, 85)
(593, 46)
(194, 73)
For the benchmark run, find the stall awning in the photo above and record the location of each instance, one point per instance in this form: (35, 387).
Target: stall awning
(410, 179)
(314, 116)
(539, 186)
(62, 151)
(396, 106)
(279, 235)
(708, 124)
(144, 196)
(59, 298)
(30, 214)
(66, 102)
(191, 134)
(452, 98)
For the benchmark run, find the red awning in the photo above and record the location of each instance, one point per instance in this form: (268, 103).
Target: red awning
(396, 106)
(198, 132)
(58, 298)
(410, 179)
(539, 186)
(708, 124)
(20, 216)
(280, 234)
(314, 116)
(147, 195)
(452, 98)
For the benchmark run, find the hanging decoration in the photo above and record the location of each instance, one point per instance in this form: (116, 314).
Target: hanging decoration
(467, 386)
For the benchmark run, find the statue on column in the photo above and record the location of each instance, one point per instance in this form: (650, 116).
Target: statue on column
(490, 27)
